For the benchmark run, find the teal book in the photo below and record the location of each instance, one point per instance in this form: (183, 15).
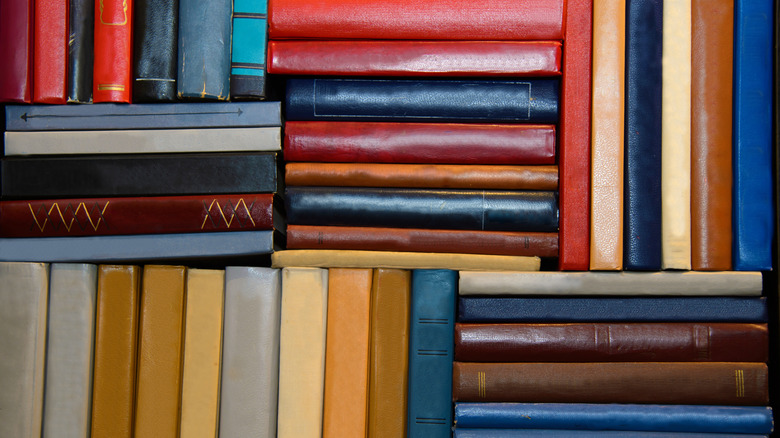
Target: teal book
(250, 43)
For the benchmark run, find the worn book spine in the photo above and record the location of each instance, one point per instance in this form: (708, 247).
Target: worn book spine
(248, 56)
(50, 52)
(568, 433)
(113, 54)
(204, 51)
(17, 26)
(81, 42)
(155, 40)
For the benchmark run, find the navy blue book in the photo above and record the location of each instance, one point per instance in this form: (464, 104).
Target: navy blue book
(423, 100)
(628, 309)
(642, 171)
(614, 416)
(548, 433)
(423, 208)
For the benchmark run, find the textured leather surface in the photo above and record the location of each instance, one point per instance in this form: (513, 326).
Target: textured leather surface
(249, 45)
(155, 42)
(81, 29)
(113, 60)
(16, 51)
(204, 50)
(50, 54)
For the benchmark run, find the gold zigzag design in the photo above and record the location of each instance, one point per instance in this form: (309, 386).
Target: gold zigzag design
(221, 210)
(60, 215)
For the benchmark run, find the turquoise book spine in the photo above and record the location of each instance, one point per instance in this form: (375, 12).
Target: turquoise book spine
(250, 43)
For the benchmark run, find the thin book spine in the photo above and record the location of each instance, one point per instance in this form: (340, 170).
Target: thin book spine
(248, 55)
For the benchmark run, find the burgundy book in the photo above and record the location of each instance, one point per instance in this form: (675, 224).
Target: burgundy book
(50, 72)
(16, 51)
(401, 142)
(137, 215)
(113, 58)
(513, 243)
(612, 342)
(415, 58)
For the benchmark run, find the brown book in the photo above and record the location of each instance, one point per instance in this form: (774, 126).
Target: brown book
(612, 342)
(512, 243)
(708, 383)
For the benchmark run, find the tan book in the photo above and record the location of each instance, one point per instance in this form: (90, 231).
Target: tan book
(116, 341)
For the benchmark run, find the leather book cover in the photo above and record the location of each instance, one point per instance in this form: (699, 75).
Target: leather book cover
(433, 176)
(612, 342)
(113, 54)
(16, 50)
(436, 100)
(81, 43)
(116, 347)
(512, 243)
(698, 383)
(345, 411)
(160, 351)
(431, 20)
(414, 58)
(711, 133)
(248, 55)
(414, 142)
(642, 171)
(50, 52)
(204, 50)
(574, 142)
(155, 41)
(606, 204)
(389, 353)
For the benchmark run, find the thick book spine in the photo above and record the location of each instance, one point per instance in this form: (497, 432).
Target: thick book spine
(430, 353)
(612, 342)
(204, 51)
(113, 55)
(50, 52)
(155, 40)
(248, 56)
(440, 100)
(415, 58)
(564, 433)
(642, 167)
(423, 208)
(410, 142)
(81, 42)
(16, 50)
(513, 243)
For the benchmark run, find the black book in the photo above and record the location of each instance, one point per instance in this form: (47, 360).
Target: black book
(155, 50)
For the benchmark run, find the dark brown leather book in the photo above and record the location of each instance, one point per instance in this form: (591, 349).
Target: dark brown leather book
(612, 342)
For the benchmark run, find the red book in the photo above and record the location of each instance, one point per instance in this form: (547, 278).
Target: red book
(415, 58)
(137, 215)
(50, 72)
(443, 143)
(113, 67)
(574, 131)
(16, 51)
(515, 20)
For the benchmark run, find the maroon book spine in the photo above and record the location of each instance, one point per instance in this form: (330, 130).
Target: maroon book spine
(443, 143)
(16, 51)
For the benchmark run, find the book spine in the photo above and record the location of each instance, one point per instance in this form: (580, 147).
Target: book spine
(113, 69)
(443, 100)
(155, 41)
(16, 50)
(564, 433)
(81, 42)
(50, 52)
(204, 52)
(248, 57)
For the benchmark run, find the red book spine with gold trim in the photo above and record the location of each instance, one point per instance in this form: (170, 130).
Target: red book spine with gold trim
(16, 51)
(136, 215)
(50, 72)
(113, 68)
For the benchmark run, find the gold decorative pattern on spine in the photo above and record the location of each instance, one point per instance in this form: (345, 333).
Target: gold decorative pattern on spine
(59, 216)
(231, 209)
(739, 376)
(482, 384)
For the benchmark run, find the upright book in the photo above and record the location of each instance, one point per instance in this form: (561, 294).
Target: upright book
(248, 54)
(204, 52)
(17, 27)
(50, 54)
(81, 42)
(155, 31)
(113, 53)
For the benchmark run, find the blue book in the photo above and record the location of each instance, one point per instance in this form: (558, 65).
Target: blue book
(247, 67)
(548, 433)
(431, 343)
(423, 100)
(642, 168)
(753, 212)
(204, 49)
(649, 309)
(613, 416)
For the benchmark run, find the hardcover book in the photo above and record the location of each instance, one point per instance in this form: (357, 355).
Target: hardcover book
(17, 27)
(81, 42)
(559, 433)
(204, 51)
(155, 41)
(249, 43)
(113, 53)
(50, 52)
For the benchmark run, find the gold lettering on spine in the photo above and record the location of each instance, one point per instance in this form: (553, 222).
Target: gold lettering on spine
(739, 376)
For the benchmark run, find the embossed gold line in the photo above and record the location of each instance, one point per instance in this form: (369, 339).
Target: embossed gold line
(481, 384)
(248, 213)
(740, 382)
(38, 224)
(208, 214)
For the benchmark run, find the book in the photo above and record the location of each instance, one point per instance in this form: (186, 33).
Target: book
(116, 348)
(142, 141)
(139, 215)
(642, 167)
(612, 309)
(574, 138)
(204, 52)
(726, 283)
(81, 41)
(67, 408)
(50, 52)
(250, 352)
(412, 142)
(345, 399)
(113, 52)
(16, 50)
(78, 176)
(248, 54)
(612, 342)
(557, 433)
(517, 243)
(160, 339)
(24, 293)
(414, 58)
(441, 176)
(430, 353)
(607, 124)
(440, 100)
(423, 208)
(108, 116)
(697, 383)
(613, 416)
(302, 352)
(434, 20)
(155, 41)
(202, 352)
(389, 353)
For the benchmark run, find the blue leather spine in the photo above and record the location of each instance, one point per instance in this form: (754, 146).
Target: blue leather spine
(204, 49)
(548, 433)
(642, 171)
(443, 100)
(431, 339)
(250, 43)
